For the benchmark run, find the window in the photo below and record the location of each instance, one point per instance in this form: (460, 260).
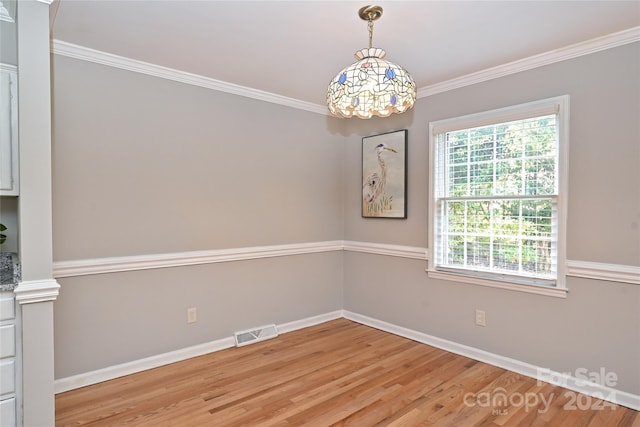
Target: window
(497, 194)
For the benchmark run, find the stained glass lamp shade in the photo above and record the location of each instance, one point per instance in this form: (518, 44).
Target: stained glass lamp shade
(371, 86)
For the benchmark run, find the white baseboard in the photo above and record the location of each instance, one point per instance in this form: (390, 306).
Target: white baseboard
(567, 381)
(579, 385)
(111, 372)
(309, 321)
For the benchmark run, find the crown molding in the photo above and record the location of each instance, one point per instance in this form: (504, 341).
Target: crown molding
(59, 47)
(70, 50)
(587, 47)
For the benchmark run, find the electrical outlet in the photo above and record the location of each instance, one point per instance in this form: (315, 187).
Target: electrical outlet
(192, 315)
(481, 318)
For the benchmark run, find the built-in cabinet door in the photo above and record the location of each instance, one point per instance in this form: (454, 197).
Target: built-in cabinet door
(7, 360)
(8, 412)
(7, 376)
(8, 341)
(8, 130)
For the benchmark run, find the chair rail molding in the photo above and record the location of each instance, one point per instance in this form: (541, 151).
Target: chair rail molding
(602, 271)
(84, 267)
(33, 291)
(401, 251)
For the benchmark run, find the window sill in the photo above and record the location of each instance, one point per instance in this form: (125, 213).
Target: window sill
(520, 287)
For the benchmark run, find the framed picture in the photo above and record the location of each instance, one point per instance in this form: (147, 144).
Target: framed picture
(384, 175)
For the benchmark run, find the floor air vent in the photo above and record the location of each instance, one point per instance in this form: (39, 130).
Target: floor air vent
(251, 336)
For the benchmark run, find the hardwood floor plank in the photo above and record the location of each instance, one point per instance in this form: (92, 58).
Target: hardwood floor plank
(337, 373)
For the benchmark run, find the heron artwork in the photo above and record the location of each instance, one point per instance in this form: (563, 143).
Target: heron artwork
(374, 198)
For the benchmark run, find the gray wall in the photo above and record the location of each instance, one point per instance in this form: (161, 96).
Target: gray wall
(143, 165)
(146, 165)
(107, 319)
(598, 324)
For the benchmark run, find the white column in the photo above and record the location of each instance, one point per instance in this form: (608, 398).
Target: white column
(38, 290)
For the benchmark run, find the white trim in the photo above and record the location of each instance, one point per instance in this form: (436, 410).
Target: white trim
(511, 286)
(602, 271)
(47, 2)
(586, 47)
(111, 372)
(116, 371)
(541, 107)
(8, 67)
(308, 321)
(558, 105)
(567, 381)
(85, 267)
(33, 291)
(564, 141)
(144, 262)
(386, 249)
(70, 50)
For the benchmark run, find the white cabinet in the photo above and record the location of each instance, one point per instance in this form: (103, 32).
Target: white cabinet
(8, 130)
(8, 392)
(8, 412)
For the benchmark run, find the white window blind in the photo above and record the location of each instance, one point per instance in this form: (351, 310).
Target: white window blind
(496, 193)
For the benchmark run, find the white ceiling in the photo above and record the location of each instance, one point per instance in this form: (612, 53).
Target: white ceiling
(293, 48)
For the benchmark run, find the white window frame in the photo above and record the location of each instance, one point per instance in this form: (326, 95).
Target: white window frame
(558, 105)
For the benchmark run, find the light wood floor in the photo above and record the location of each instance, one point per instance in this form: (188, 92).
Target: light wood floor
(337, 373)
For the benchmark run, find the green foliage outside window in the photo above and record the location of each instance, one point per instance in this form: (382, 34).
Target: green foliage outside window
(500, 194)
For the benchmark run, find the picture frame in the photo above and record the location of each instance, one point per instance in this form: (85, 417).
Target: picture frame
(384, 175)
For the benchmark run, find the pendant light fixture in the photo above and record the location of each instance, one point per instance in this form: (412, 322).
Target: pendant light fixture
(371, 86)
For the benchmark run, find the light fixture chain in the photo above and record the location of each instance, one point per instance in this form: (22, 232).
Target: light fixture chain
(370, 33)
